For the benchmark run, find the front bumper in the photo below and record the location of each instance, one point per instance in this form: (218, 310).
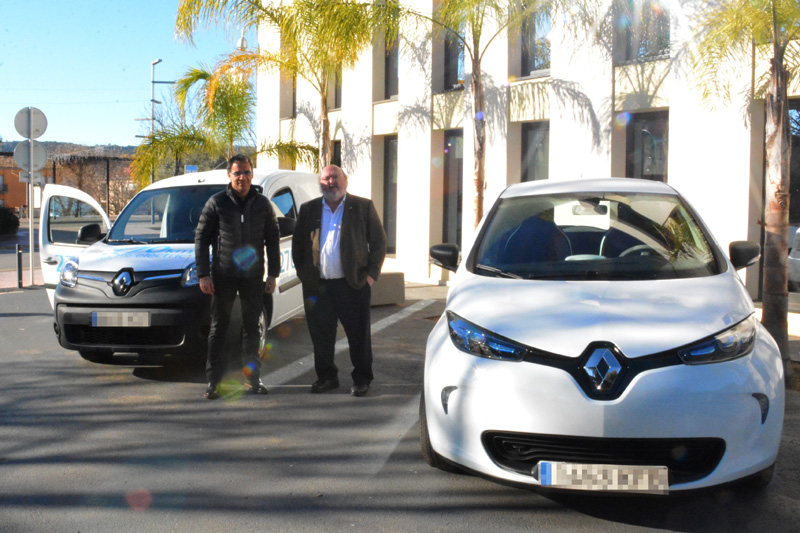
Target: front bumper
(499, 418)
(179, 317)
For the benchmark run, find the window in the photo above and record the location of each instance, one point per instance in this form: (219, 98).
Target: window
(390, 192)
(642, 30)
(337, 88)
(284, 201)
(453, 186)
(391, 72)
(453, 62)
(336, 156)
(66, 216)
(794, 169)
(534, 38)
(647, 145)
(535, 151)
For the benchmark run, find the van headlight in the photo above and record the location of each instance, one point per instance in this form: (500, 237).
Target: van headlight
(730, 344)
(189, 277)
(475, 340)
(69, 274)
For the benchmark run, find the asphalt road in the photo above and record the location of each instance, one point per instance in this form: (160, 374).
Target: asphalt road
(133, 446)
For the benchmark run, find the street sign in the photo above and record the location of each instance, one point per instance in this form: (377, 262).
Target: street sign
(187, 169)
(30, 122)
(38, 178)
(22, 155)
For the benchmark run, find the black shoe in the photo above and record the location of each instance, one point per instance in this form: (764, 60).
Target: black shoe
(359, 390)
(256, 387)
(324, 385)
(211, 392)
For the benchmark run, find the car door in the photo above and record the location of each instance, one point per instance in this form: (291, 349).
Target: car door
(64, 211)
(288, 297)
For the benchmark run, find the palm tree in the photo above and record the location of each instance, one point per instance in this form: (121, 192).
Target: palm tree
(742, 31)
(467, 22)
(319, 38)
(221, 119)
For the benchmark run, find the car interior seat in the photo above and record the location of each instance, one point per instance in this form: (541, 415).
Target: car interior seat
(536, 240)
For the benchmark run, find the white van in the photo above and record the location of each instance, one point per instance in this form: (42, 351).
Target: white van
(132, 287)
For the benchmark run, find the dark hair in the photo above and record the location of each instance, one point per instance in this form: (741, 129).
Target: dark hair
(239, 158)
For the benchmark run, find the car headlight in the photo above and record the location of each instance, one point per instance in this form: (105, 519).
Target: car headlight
(189, 277)
(481, 342)
(69, 274)
(732, 343)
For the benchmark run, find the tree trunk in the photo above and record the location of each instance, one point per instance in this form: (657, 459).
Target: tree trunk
(479, 139)
(775, 298)
(325, 129)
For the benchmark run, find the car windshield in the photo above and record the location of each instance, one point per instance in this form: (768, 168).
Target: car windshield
(591, 236)
(162, 215)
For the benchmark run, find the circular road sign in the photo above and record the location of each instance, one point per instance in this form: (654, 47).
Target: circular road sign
(33, 128)
(22, 155)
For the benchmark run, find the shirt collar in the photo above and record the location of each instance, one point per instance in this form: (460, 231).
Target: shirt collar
(341, 204)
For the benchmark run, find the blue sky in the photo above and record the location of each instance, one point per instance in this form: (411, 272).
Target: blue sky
(86, 64)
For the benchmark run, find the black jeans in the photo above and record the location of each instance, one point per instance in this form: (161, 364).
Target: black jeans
(336, 301)
(251, 295)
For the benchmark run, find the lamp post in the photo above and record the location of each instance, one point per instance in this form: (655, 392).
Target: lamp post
(153, 103)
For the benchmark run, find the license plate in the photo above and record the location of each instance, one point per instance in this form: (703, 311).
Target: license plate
(620, 478)
(120, 319)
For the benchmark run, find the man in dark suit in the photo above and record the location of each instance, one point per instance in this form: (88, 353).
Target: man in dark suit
(338, 248)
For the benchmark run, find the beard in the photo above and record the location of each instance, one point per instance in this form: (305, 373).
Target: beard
(332, 195)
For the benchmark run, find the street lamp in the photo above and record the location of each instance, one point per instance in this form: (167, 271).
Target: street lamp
(153, 103)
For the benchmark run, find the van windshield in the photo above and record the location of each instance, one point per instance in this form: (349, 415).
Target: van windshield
(162, 215)
(590, 236)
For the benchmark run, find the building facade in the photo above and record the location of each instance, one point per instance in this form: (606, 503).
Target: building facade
(561, 103)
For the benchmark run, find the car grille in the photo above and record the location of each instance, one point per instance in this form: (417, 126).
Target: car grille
(156, 336)
(687, 459)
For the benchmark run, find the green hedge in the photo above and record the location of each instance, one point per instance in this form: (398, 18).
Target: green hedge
(9, 223)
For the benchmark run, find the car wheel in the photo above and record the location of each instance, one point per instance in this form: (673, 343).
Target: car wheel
(761, 479)
(96, 355)
(428, 454)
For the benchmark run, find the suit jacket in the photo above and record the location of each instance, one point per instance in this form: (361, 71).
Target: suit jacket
(362, 242)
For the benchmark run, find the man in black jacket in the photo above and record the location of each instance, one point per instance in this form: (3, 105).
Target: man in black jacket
(237, 224)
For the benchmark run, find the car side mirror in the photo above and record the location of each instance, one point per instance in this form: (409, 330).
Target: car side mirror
(744, 253)
(89, 234)
(445, 255)
(286, 226)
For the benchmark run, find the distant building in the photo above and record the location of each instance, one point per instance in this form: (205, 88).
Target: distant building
(14, 194)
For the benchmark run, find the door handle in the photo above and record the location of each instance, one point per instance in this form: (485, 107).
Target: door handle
(50, 261)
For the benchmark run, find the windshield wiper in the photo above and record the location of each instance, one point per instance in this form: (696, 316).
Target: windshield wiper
(497, 271)
(126, 241)
(171, 241)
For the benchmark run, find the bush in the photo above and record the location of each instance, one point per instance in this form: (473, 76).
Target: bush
(9, 223)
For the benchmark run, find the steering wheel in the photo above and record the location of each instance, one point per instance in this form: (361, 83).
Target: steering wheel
(640, 249)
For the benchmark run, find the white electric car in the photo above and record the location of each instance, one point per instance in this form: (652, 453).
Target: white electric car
(596, 337)
(133, 287)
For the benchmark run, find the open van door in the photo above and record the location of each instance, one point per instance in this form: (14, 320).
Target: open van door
(64, 211)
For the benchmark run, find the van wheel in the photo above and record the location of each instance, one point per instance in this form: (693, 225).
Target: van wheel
(96, 355)
(264, 321)
(428, 454)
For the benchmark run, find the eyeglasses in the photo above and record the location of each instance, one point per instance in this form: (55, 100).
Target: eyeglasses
(241, 173)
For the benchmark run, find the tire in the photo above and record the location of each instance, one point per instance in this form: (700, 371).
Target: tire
(96, 355)
(428, 454)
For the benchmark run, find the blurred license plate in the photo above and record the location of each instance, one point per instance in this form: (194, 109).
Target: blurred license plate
(620, 478)
(120, 319)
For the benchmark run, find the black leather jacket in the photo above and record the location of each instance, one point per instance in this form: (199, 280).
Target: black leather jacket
(237, 230)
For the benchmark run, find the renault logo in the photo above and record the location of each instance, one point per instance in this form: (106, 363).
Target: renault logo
(122, 283)
(602, 369)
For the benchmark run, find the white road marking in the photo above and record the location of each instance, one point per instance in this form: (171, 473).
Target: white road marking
(379, 444)
(306, 364)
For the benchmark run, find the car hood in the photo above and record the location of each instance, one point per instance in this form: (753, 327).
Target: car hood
(639, 317)
(102, 257)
